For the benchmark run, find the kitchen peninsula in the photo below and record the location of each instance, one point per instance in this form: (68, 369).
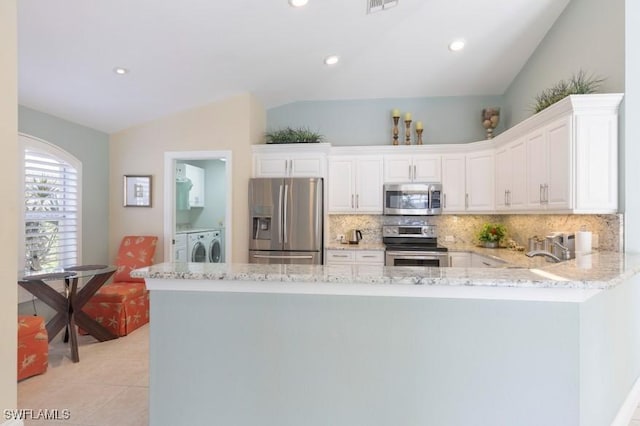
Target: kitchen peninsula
(531, 343)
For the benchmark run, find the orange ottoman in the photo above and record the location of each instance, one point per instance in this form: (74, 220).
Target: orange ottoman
(33, 346)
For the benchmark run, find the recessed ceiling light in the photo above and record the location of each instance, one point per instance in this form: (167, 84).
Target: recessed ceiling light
(298, 3)
(331, 60)
(120, 70)
(456, 45)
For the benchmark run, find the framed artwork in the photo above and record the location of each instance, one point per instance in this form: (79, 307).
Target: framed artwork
(137, 190)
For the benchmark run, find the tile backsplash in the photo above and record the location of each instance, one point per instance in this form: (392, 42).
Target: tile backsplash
(463, 228)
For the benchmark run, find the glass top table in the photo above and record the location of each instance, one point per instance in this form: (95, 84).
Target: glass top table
(68, 306)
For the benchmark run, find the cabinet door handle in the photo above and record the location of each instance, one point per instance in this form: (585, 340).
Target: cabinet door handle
(546, 193)
(339, 255)
(466, 201)
(410, 178)
(506, 203)
(357, 201)
(541, 195)
(414, 172)
(367, 255)
(352, 203)
(444, 201)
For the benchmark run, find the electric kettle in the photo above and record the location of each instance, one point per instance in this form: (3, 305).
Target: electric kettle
(354, 236)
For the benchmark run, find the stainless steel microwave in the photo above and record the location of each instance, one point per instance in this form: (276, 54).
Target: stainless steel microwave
(412, 199)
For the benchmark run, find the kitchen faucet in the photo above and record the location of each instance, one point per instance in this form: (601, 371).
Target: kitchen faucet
(544, 253)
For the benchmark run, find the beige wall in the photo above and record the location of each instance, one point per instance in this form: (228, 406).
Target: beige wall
(233, 124)
(9, 197)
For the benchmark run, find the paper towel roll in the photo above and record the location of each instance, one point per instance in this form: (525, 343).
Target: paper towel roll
(583, 242)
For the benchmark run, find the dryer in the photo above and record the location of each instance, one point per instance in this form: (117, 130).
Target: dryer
(216, 248)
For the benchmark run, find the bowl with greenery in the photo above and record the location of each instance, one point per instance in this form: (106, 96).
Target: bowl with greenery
(293, 135)
(578, 84)
(491, 234)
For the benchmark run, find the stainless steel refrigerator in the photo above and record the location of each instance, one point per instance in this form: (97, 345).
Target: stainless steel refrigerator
(286, 220)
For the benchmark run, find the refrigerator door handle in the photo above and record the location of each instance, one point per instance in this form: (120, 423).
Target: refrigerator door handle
(280, 224)
(286, 219)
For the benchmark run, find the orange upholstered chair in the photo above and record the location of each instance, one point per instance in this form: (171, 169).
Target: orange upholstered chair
(123, 305)
(33, 346)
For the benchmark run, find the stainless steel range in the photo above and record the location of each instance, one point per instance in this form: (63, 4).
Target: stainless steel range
(413, 245)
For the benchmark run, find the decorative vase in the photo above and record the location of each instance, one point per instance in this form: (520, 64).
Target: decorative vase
(490, 244)
(490, 120)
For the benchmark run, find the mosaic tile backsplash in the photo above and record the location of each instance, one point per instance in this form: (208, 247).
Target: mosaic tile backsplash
(607, 229)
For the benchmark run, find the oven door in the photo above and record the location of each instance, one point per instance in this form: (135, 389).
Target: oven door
(416, 258)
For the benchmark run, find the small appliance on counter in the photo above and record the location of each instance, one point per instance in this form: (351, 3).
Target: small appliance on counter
(354, 236)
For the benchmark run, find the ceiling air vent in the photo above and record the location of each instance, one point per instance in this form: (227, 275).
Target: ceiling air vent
(374, 6)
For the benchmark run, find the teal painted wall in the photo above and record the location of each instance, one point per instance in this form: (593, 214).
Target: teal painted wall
(588, 35)
(91, 147)
(277, 359)
(368, 122)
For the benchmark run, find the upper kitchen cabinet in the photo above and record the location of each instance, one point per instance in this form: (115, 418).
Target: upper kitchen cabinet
(290, 160)
(196, 193)
(468, 179)
(399, 168)
(511, 176)
(571, 161)
(355, 184)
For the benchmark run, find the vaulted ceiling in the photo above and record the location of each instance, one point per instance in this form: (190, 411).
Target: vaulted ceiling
(182, 54)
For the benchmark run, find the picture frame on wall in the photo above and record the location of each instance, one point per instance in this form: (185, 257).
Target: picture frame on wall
(137, 191)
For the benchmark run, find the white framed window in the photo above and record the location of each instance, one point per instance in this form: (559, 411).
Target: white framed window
(52, 209)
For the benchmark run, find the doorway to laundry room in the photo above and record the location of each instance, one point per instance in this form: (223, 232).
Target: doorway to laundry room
(197, 215)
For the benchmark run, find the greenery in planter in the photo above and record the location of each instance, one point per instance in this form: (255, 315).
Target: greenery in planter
(492, 232)
(291, 135)
(578, 84)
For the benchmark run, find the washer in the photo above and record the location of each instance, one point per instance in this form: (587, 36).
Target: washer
(216, 248)
(197, 246)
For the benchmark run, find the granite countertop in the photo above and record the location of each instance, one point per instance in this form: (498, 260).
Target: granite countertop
(360, 246)
(600, 270)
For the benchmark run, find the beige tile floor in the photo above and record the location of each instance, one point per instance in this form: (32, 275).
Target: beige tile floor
(109, 386)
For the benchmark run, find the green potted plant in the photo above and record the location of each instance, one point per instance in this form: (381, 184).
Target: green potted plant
(491, 234)
(578, 84)
(291, 135)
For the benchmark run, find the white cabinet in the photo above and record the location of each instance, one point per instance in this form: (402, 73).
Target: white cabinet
(453, 183)
(196, 176)
(355, 184)
(549, 166)
(290, 160)
(467, 182)
(459, 259)
(412, 168)
(355, 257)
(288, 166)
(480, 181)
(511, 177)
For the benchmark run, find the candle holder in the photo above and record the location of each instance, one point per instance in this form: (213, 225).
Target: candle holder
(419, 134)
(396, 132)
(407, 135)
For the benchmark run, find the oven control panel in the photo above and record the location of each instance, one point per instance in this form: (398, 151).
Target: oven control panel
(410, 231)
